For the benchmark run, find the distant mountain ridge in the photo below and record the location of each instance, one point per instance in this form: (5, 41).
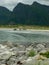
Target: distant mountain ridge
(35, 14)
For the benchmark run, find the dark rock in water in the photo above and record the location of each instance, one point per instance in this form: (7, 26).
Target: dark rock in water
(14, 29)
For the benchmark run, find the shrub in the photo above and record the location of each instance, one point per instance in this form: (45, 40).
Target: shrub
(31, 53)
(46, 54)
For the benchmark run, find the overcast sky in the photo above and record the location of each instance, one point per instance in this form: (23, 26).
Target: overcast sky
(10, 4)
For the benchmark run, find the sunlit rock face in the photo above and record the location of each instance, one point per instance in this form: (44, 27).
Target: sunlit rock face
(18, 54)
(40, 47)
(4, 52)
(11, 55)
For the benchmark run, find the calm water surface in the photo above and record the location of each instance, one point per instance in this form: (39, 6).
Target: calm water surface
(24, 36)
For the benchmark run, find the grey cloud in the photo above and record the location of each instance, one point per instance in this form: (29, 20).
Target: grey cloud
(10, 4)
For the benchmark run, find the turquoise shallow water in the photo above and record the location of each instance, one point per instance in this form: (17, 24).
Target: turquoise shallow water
(24, 36)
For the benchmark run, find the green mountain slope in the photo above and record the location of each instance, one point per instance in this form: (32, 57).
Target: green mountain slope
(35, 14)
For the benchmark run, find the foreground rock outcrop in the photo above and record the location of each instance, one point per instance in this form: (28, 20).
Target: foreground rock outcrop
(22, 55)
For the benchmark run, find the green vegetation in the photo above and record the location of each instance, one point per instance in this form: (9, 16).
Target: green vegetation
(24, 27)
(46, 54)
(39, 63)
(31, 53)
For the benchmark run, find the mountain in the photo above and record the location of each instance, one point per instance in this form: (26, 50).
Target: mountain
(4, 15)
(35, 14)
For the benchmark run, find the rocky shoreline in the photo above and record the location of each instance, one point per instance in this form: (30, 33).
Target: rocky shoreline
(15, 54)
